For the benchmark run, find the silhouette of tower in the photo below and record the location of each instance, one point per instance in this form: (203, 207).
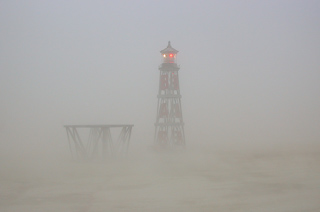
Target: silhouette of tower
(169, 126)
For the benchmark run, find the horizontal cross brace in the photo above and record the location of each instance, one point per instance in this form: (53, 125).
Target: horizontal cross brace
(99, 126)
(169, 124)
(170, 96)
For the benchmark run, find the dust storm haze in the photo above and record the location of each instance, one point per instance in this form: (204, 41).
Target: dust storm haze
(250, 85)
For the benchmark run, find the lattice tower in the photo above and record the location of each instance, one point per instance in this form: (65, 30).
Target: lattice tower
(169, 126)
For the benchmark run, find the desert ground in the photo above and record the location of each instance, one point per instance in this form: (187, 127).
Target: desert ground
(193, 180)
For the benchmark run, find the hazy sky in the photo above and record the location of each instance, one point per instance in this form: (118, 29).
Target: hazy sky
(250, 70)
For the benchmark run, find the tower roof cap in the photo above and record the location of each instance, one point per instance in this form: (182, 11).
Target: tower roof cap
(169, 49)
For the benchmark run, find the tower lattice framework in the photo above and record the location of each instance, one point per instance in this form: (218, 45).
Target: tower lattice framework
(169, 126)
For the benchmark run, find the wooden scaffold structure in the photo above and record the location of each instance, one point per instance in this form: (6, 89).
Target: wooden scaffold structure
(99, 143)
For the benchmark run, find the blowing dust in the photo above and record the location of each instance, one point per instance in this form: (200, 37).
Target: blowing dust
(194, 180)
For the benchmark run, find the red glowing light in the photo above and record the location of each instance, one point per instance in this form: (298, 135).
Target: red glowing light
(170, 55)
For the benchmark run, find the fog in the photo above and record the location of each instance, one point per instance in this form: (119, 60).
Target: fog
(250, 85)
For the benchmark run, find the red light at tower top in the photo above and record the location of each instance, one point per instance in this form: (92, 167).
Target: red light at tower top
(169, 54)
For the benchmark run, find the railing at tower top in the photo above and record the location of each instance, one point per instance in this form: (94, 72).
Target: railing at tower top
(95, 142)
(169, 65)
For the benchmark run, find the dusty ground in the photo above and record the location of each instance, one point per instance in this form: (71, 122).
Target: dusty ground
(190, 181)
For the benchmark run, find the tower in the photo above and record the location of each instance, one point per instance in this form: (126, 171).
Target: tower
(169, 126)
